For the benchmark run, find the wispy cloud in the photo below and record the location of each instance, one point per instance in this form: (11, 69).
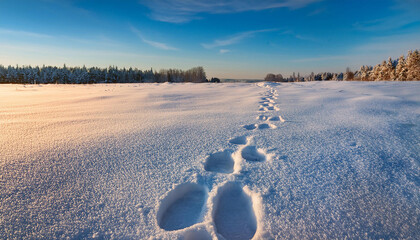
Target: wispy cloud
(393, 45)
(20, 33)
(234, 39)
(317, 12)
(321, 58)
(299, 36)
(408, 5)
(56, 55)
(405, 13)
(372, 52)
(223, 51)
(94, 40)
(70, 5)
(155, 44)
(178, 11)
(384, 24)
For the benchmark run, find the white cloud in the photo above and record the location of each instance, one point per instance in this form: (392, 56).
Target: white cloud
(234, 39)
(155, 44)
(178, 11)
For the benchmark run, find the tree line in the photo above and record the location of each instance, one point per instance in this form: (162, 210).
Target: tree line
(83, 75)
(402, 69)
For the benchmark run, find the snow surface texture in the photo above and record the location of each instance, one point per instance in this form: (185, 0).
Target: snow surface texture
(319, 160)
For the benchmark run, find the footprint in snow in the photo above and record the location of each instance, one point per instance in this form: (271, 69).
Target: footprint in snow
(196, 234)
(253, 154)
(267, 105)
(250, 127)
(234, 216)
(242, 140)
(221, 162)
(262, 117)
(276, 119)
(182, 207)
(266, 126)
(273, 108)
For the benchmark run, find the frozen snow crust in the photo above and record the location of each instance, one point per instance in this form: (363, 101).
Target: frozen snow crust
(319, 160)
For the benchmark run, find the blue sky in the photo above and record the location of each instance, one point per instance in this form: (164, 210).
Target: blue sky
(229, 38)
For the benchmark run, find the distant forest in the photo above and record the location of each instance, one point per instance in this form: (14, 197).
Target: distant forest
(83, 75)
(402, 69)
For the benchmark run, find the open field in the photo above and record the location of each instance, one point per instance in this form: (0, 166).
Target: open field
(320, 160)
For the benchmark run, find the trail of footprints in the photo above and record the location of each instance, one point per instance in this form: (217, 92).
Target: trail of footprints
(233, 215)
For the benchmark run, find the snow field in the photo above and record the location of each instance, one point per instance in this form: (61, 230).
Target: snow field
(177, 161)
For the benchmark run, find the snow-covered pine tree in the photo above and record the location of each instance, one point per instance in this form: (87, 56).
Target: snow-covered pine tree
(349, 75)
(312, 77)
(374, 73)
(382, 71)
(413, 66)
(270, 77)
(364, 73)
(388, 70)
(401, 69)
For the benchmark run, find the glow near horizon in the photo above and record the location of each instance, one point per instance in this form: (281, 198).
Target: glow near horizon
(230, 40)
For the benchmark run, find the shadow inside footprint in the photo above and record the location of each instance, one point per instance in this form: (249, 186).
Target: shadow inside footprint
(238, 140)
(279, 118)
(221, 162)
(266, 126)
(251, 153)
(234, 215)
(182, 207)
(250, 127)
(196, 234)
